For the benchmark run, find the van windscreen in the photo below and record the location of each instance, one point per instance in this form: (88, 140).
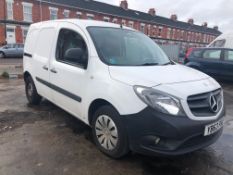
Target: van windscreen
(122, 47)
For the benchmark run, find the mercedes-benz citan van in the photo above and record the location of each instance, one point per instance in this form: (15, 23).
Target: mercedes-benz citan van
(120, 83)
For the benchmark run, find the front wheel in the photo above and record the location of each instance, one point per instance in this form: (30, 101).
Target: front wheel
(33, 97)
(109, 133)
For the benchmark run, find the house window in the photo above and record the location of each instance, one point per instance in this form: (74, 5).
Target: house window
(79, 15)
(168, 33)
(9, 5)
(131, 24)
(27, 11)
(182, 35)
(53, 13)
(160, 31)
(106, 19)
(171, 34)
(90, 16)
(66, 13)
(124, 22)
(114, 20)
(142, 28)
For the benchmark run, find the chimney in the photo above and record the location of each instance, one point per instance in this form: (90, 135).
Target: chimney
(191, 21)
(152, 12)
(205, 24)
(215, 27)
(174, 17)
(124, 4)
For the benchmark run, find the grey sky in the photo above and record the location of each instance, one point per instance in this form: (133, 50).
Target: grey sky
(215, 12)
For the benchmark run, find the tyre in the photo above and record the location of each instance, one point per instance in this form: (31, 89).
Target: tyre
(33, 97)
(2, 55)
(109, 134)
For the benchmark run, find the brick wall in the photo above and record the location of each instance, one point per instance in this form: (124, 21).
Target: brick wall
(2, 34)
(2, 9)
(150, 29)
(18, 34)
(36, 12)
(18, 10)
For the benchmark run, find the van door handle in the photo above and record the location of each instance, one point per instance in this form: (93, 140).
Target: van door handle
(45, 68)
(53, 70)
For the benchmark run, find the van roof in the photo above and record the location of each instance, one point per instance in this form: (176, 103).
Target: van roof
(82, 23)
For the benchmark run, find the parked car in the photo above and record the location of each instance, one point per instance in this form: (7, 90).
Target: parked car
(216, 62)
(225, 40)
(12, 50)
(120, 83)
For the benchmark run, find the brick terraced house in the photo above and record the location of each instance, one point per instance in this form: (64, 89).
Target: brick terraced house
(17, 15)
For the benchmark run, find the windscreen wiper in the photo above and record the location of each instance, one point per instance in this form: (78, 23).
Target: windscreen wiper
(168, 63)
(149, 64)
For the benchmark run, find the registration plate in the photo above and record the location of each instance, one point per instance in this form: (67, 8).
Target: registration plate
(214, 127)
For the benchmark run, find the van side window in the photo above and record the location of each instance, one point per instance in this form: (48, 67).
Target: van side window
(218, 43)
(69, 40)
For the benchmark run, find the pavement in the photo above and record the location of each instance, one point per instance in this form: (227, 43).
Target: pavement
(45, 140)
(13, 66)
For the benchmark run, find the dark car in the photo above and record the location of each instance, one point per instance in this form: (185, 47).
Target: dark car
(12, 50)
(216, 62)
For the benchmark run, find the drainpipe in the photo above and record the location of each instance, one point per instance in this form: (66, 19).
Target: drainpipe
(41, 10)
(5, 16)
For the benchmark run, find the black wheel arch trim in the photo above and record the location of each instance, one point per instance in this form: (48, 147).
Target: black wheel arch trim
(60, 90)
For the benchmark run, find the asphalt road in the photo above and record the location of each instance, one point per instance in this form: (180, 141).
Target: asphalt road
(45, 140)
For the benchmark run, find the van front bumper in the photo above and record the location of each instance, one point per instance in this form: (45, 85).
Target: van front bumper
(154, 133)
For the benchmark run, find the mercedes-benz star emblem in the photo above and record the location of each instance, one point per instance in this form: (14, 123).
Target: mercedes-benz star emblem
(213, 103)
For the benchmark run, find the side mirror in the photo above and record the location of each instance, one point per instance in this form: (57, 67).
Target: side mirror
(75, 55)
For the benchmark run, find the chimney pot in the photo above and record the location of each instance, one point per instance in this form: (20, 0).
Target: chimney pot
(205, 24)
(191, 21)
(124, 4)
(152, 12)
(174, 17)
(215, 27)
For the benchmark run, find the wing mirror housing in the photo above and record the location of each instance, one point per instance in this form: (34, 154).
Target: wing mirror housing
(76, 55)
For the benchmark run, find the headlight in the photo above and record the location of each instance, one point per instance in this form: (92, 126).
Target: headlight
(160, 101)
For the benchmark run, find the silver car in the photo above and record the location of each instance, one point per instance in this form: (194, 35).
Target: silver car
(12, 50)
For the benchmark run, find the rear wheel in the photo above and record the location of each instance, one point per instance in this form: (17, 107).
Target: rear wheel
(2, 55)
(33, 97)
(109, 133)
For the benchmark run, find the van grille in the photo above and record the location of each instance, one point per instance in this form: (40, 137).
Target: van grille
(200, 105)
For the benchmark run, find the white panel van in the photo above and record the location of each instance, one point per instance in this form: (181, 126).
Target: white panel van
(225, 40)
(120, 83)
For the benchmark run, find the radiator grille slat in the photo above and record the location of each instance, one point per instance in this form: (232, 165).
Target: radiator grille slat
(200, 104)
